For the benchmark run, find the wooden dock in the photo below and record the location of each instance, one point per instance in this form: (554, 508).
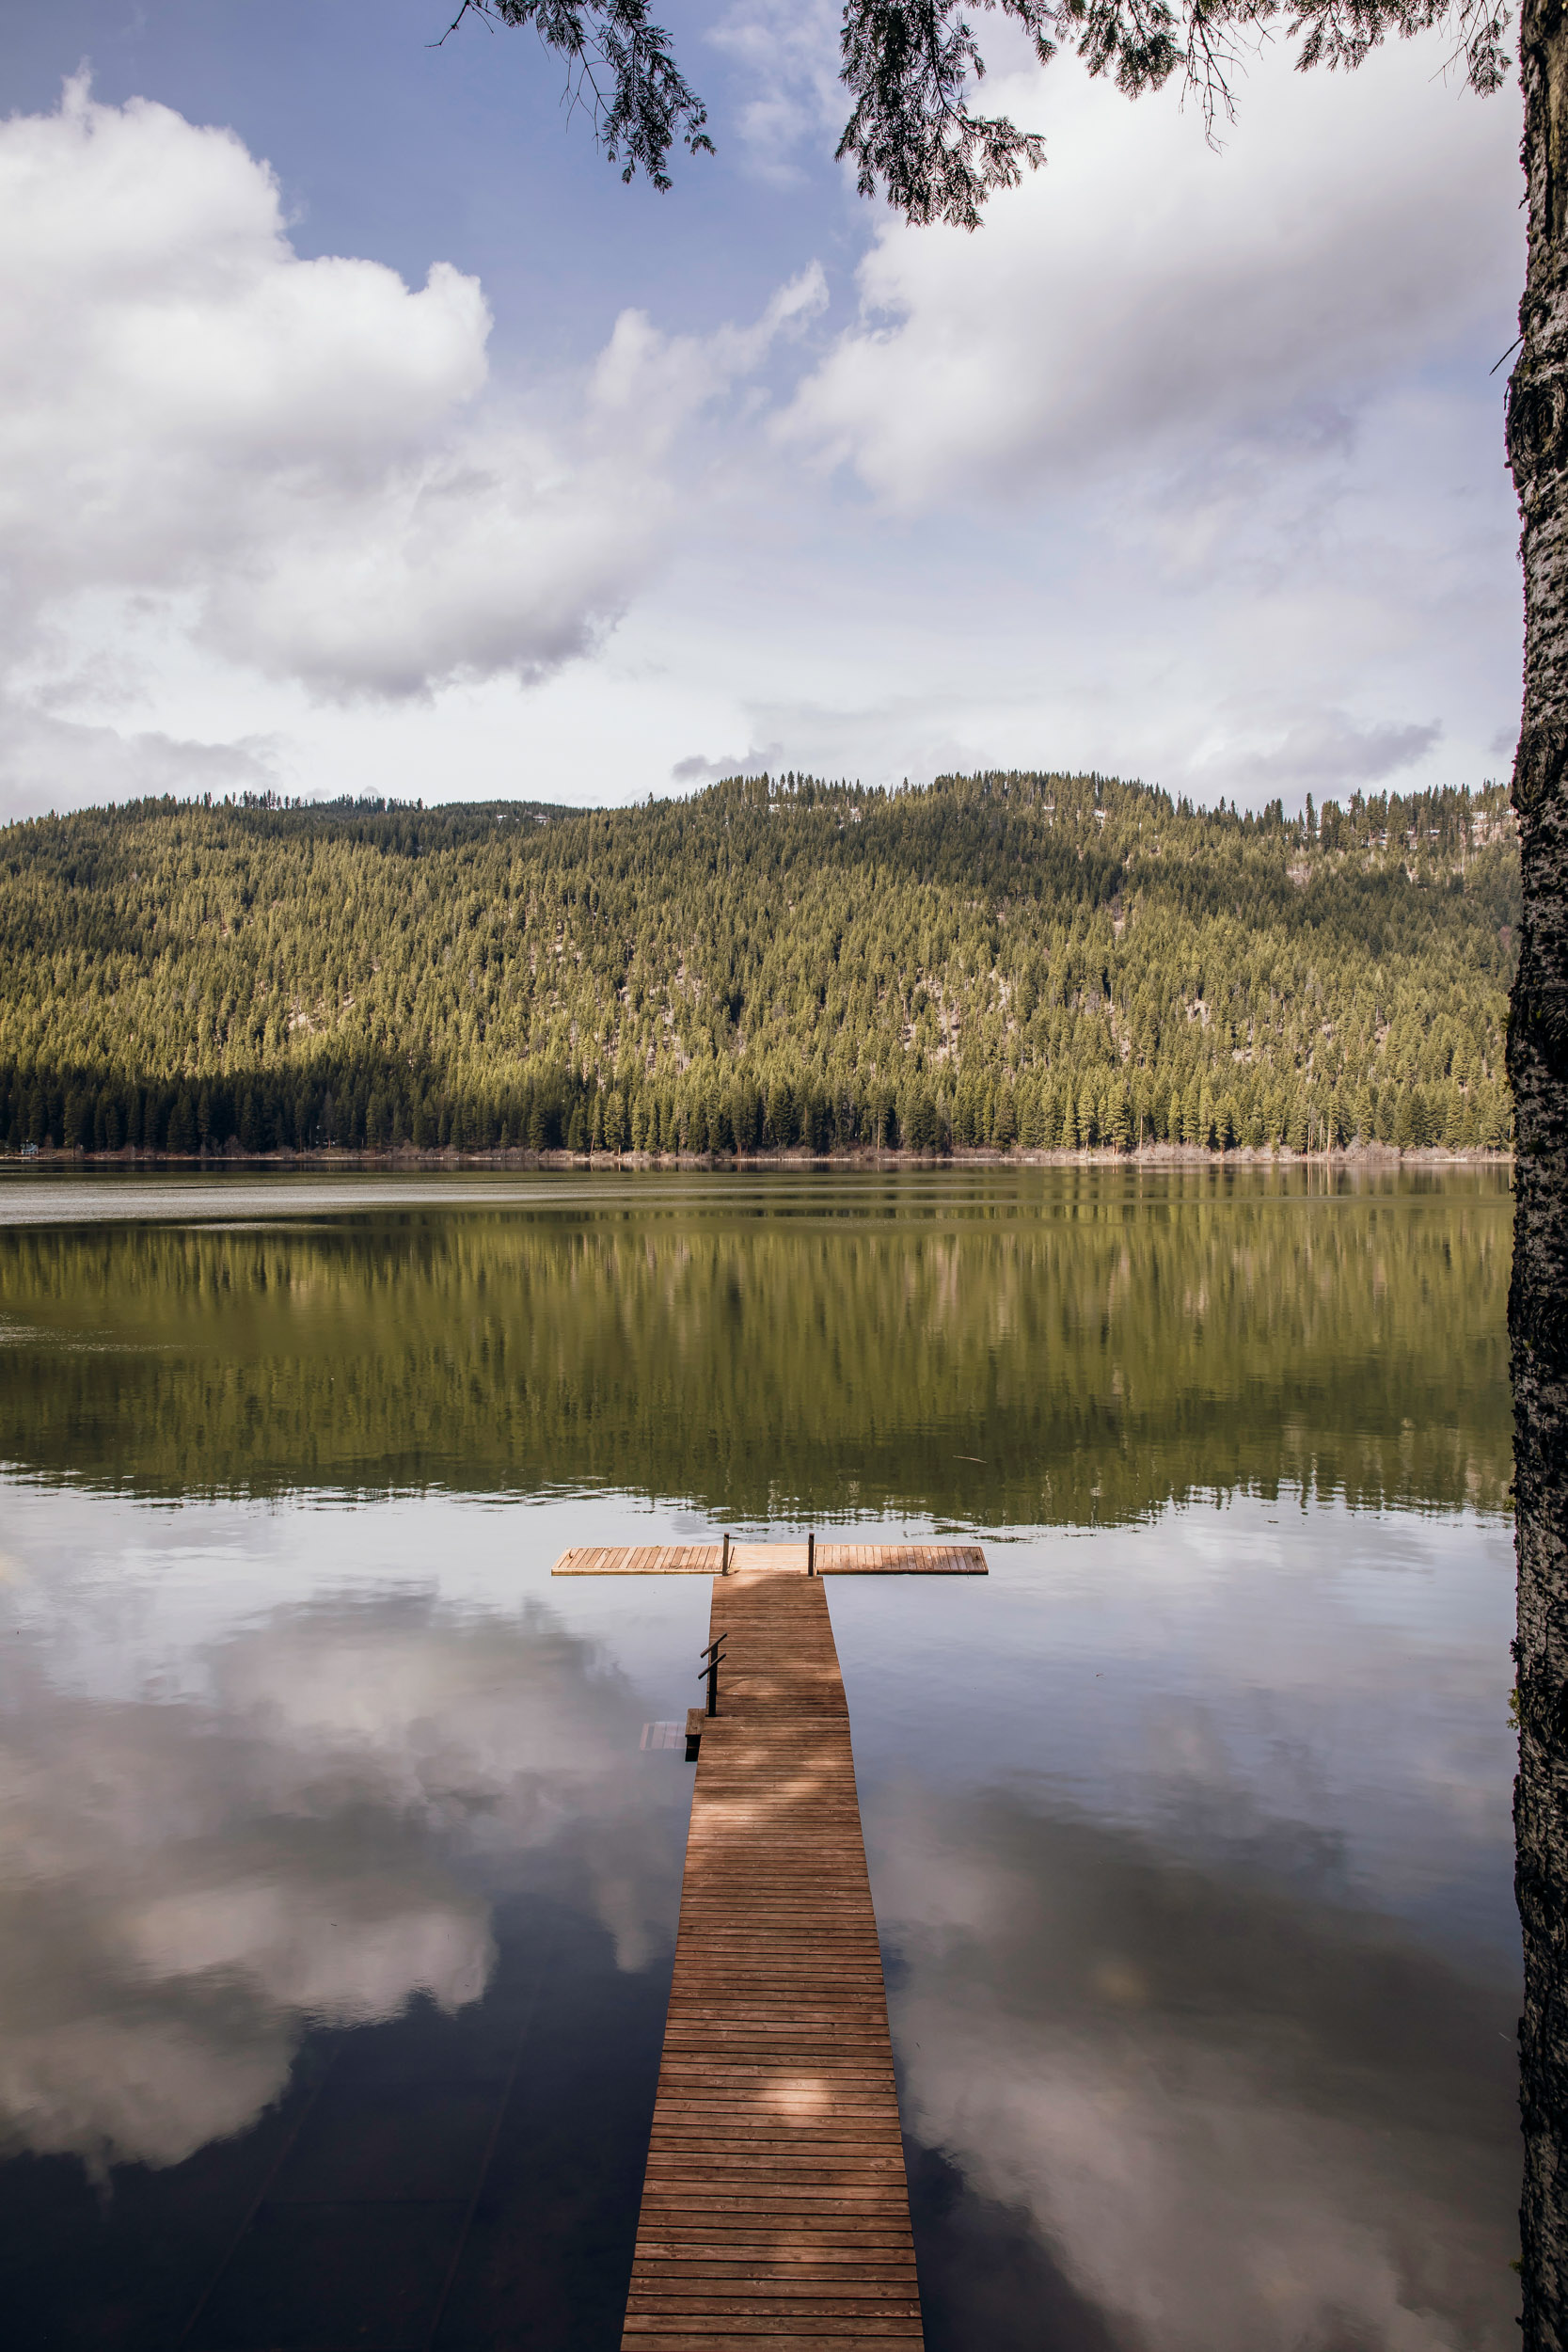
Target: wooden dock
(774, 2203)
(775, 2207)
(777, 1559)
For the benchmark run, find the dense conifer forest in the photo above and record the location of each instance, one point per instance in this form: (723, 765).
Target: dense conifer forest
(1016, 961)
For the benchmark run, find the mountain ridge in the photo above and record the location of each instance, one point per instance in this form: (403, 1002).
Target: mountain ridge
(1000, 961)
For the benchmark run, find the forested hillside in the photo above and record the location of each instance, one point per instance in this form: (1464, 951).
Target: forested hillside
(1004, 959)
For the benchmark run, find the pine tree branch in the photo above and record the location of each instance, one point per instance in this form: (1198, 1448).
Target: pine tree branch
(621, 68)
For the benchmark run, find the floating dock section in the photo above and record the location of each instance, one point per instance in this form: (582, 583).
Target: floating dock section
(773, 1559)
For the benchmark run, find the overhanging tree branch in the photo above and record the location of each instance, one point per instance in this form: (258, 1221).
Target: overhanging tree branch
(621, 67)
(911, 66)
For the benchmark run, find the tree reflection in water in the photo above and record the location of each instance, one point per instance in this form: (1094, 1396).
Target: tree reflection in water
(334, 1879)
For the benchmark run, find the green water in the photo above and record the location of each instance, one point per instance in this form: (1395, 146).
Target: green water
(1051, 1347)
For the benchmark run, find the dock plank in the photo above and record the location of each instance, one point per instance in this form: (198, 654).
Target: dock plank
(775, 2207)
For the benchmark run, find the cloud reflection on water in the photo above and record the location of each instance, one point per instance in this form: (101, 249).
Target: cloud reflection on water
(1239, 2118)
(1205, 1971)
(189, 1884)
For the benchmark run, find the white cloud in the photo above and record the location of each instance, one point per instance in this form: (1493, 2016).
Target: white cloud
(1216, 428)
(1185, 465)
(47, 761)
(294, 467)
(1143, 297)
(785, 54)
(1317, 751)
(647, 384)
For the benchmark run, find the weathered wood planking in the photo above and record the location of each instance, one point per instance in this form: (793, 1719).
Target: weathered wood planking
(775, 2205)
(777, 1559)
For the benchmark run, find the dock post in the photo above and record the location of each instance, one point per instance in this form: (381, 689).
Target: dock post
(724, 1562)
(811, 1553)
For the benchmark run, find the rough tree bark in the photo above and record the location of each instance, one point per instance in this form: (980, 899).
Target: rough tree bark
(1538, 1063)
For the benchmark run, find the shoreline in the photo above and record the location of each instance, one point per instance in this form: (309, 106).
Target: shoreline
(1349, 1155)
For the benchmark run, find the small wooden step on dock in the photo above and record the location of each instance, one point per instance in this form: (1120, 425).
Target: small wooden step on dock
(775, 2206)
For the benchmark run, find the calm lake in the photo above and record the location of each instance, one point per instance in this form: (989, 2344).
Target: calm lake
(338, 1888)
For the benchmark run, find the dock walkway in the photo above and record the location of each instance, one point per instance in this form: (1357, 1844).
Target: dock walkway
(774, 2204)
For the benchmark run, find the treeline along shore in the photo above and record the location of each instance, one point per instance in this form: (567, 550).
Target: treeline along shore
(997, 963)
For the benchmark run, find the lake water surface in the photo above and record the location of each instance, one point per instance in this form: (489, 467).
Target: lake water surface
(338, 1888)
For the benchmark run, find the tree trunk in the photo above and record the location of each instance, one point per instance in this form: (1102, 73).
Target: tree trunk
(1538, 1064)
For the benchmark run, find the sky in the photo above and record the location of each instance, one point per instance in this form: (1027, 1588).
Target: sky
(360, 431)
